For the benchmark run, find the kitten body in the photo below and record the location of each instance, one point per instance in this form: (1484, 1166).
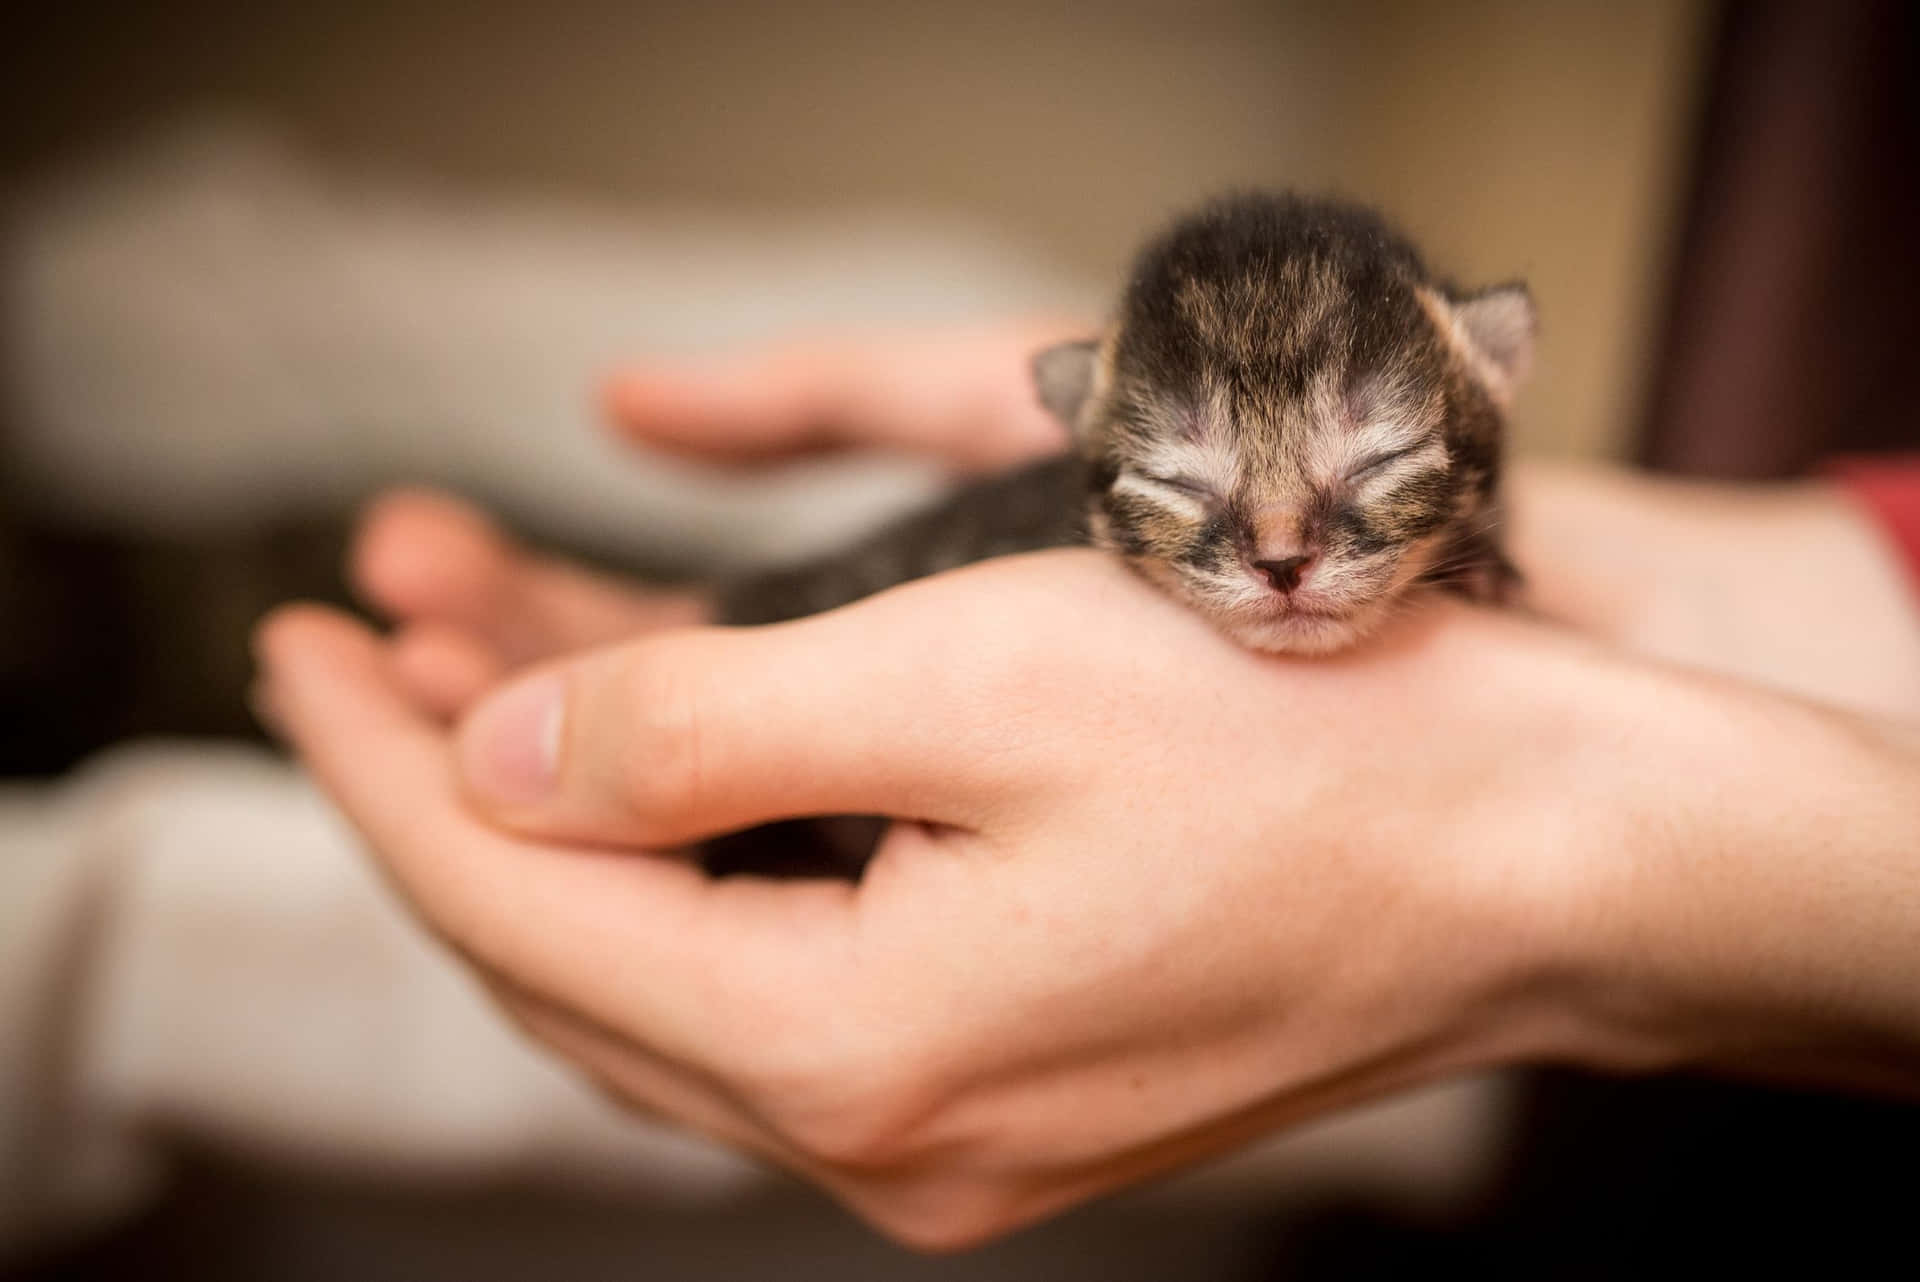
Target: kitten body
(1287, 423)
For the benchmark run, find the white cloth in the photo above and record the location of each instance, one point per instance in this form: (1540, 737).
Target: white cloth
(210, 330)
(191, 944)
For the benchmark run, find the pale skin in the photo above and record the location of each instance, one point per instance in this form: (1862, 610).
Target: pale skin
(1155, 895)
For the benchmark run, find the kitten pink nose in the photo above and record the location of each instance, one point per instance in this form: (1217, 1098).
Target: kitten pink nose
(1285, 574)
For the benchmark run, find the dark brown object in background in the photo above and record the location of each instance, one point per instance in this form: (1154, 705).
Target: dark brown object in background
(1793, 323)
(1794, 312)
(105, 639)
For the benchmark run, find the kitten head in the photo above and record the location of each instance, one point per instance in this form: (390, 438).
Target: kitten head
(1288, 422)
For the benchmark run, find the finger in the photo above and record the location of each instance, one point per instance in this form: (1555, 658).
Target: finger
(442, 669)
(422, 555)
(633, 1078)
(645, 943)
(964, 396)
(670, 1093)
(419, 553)
(882, 708)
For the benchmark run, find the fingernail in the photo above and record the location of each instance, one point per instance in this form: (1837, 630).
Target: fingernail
(510, 748)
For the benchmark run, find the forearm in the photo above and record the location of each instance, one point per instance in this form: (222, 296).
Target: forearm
(1786, 585)
(1751, 899)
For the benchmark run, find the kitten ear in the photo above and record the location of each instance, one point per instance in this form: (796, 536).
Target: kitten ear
(1063, 378)
(1500, 324)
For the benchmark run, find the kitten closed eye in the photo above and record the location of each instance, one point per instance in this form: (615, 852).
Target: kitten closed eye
(1379, 462)
(1182, 485)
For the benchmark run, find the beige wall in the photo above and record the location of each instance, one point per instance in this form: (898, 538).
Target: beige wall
(1513, 138)
(1546, 141)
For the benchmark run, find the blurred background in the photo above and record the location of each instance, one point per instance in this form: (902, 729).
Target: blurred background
(258, 261)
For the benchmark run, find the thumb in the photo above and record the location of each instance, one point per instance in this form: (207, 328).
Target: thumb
(684, 735)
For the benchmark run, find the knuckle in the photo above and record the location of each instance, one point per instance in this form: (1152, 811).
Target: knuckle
(939, 1217)
(851, 1128)
(664, 777)
(852, 1135)
(466, 924)
(853, 1114)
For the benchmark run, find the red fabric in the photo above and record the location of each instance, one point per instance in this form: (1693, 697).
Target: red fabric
(1889, 487)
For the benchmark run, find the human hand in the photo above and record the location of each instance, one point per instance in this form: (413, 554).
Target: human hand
(470, 604)
(1787, 585)
(1152, 895)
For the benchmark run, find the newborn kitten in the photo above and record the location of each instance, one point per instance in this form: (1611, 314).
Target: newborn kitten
(1287, 424)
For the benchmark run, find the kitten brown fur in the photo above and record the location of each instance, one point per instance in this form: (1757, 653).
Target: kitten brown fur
(1287, 423)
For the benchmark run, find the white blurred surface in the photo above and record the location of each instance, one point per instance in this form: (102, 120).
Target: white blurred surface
(208, 329)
